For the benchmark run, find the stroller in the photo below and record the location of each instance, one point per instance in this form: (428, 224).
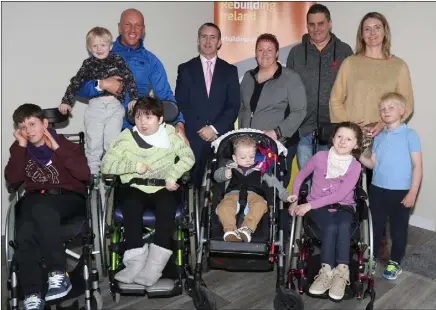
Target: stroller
(267, 246)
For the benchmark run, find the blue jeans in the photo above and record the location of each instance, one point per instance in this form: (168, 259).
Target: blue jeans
(304, 150)
(335, 229)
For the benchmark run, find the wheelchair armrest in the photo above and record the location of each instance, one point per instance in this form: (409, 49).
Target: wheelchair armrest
(109, 179)
(304, 191)
(361, 194)
(14, 187)
(186, 178)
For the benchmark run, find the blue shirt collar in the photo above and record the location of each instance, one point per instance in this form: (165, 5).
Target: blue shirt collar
(118, 42)
(396, 130)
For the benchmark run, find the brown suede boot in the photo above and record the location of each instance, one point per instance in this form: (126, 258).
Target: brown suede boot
(383, 252)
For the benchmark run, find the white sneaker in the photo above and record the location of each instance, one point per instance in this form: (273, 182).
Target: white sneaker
(232, 236)
(323, 281)
(245, 233)
(341, 278)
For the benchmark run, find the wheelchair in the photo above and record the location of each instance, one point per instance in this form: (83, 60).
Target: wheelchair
(302, 264)
(80, 232)
(267, 246)
(178, 268)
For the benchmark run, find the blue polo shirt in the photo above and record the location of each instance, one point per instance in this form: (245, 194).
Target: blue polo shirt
(393, 162)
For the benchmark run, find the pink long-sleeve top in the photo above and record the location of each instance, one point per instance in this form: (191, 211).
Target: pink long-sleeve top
(327, 191)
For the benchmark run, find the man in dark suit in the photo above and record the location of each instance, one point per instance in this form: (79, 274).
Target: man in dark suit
(208, 95)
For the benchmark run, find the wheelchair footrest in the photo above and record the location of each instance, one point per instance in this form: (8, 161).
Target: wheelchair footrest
(238, 247)
(163, 287)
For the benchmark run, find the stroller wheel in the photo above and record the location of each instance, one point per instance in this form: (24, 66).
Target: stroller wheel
(203, 299)
(96, 301)
(288, 300)
(116, 297)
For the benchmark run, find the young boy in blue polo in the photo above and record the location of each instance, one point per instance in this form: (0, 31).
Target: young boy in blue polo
(396, 161)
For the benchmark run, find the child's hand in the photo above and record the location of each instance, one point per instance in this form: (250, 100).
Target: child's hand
(171, 186)
(228, 173)
(131, 105)
(292, 209)
(50, 141)
(292, 198)
(301, 210)
(64, 108)
(142, 168)
(22, 141)
(409, 200)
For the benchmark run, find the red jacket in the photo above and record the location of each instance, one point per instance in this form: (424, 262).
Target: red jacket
(68, 169)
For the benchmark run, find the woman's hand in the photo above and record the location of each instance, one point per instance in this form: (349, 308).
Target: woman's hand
(271, 133)
(142, 168)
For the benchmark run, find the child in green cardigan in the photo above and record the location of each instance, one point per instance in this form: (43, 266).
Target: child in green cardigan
(147, 151)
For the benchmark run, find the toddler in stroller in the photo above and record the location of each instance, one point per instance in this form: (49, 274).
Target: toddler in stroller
(244, 189)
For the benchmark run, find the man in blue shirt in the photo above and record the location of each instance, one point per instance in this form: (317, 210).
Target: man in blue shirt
(396, 161)
(147, 69)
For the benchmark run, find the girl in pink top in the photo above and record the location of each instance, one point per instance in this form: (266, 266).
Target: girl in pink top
(335, 175)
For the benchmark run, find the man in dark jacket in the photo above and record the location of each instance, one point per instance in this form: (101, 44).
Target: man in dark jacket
(316, 59)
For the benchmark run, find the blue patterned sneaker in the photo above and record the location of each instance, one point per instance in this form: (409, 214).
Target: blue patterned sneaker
(59, 285)
(33, 302)
(392, 270)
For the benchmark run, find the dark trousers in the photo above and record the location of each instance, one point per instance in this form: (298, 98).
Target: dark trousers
(164, 205)
(335, 229)
(386, 203)
(39, 235)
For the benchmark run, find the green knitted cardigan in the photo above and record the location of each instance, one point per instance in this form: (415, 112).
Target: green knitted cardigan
(124, 154)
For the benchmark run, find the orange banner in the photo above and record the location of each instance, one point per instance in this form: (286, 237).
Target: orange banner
(241, 22)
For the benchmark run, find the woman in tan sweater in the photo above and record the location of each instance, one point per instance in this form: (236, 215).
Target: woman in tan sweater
(364, 77)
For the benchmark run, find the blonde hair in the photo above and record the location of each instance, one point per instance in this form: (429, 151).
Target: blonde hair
(360, 42)
(98, 32)
(394, 97)
(244, 141)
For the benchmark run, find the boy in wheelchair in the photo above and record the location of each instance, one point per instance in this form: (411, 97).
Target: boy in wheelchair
(335, 175)
(144, 158)
(53, 170)
(244, 190)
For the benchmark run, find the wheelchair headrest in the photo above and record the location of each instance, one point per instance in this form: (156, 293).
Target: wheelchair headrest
(54, 116)
(171, 111)
(325, 132)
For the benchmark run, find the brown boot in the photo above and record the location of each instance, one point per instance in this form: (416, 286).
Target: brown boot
(383, 252)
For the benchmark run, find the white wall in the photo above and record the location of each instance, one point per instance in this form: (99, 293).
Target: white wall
(43, 46)
(412, 27)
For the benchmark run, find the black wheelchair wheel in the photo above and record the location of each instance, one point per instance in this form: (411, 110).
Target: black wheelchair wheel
(203, 299)
(288, 300)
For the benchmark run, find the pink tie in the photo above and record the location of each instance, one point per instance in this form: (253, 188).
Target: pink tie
(208, 76)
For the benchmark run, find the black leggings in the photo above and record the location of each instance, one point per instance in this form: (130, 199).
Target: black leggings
(39, 235)
(163, 203)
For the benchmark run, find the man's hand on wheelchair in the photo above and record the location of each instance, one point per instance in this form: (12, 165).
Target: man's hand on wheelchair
(171, 186)
(299, 210)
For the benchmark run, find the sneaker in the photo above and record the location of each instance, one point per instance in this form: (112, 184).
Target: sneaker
(33, 302)
(245, 233)
(341, 278)
(59, 285)
(323, 281)
(232, 236)
(392, 270)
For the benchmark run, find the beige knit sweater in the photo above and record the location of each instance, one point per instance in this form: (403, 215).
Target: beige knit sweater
(360, 83)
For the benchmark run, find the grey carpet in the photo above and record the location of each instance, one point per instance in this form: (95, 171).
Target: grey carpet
(422, 260)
